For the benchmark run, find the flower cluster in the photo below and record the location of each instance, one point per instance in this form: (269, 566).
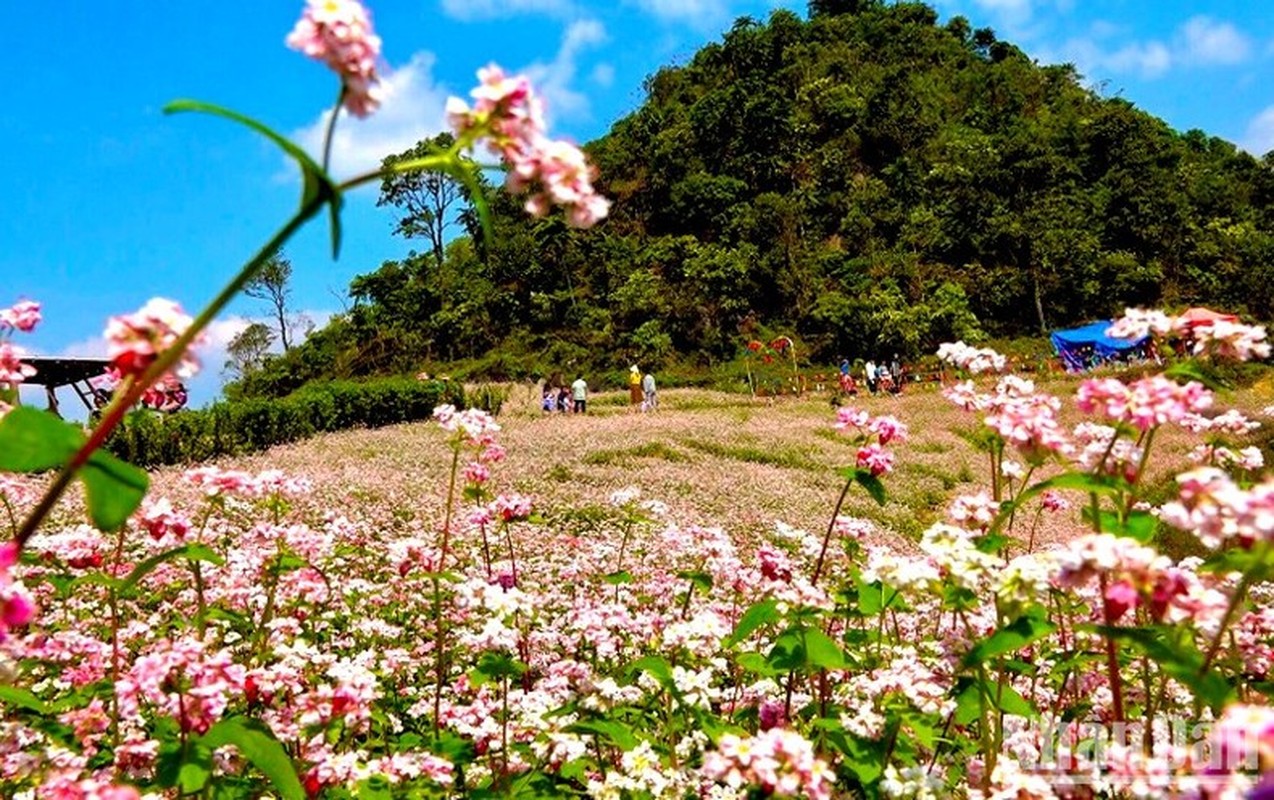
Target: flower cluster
(1220, 337)
(1145, 404)
(972, 359)
(16, 607)
(780, 762)
(510, 116)
(1218, 511)
(22, 316)
(135, 340)
(339, 33)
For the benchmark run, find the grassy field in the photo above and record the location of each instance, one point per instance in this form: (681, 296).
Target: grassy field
(715, 459)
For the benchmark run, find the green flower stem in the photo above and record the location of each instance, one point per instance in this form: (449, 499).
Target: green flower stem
(331, 128)
(166, 360)
(1236, 600)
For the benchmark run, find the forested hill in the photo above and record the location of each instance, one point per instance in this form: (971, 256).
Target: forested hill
(863, 180)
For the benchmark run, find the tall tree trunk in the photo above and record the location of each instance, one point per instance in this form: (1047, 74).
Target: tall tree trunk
(1039, 301)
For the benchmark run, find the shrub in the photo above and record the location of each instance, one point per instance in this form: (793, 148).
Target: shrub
(149, 439)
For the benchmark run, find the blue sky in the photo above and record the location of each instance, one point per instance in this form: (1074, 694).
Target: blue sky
(109, 202)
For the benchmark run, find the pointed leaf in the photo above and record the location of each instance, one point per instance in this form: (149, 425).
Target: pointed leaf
(872, 484)
(821, 651)
(33, 441)
(1009, 638)
(114, 490)
(257, 744)
(762, 613)
(191, 552)
(17, 697)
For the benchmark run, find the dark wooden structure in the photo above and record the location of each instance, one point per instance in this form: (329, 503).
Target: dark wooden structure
(53, 372)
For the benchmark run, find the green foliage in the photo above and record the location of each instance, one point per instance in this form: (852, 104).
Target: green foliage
(867, 181)
(37, 441)
(149, 439)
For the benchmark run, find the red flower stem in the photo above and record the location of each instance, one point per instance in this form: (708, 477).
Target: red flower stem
(831, 526)
(120, 406)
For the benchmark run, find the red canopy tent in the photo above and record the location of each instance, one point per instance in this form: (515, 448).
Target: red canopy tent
(1205, 316)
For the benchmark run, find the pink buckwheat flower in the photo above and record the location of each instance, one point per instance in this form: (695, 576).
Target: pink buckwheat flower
(1145, 404)
(512, 507)
(876, 459)
(339, 33)
(1054, 501)
(510, 116)
(12, 368)
(888, 429)
(851, 418)
(1138, 323)
(16, 608)
(22, 316)
(780, 762)
(1231, 340)
(161, 520)
(135, 340)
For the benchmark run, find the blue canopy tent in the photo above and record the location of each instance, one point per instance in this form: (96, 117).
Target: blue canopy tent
(1088, 346)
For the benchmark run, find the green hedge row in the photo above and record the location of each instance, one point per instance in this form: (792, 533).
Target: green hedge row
(148, 439)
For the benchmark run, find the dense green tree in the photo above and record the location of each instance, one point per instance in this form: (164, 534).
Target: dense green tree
(870, 179)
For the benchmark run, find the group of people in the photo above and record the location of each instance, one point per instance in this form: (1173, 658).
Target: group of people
(564, 399)
(560, 398)
(641, 390)
(882, 377)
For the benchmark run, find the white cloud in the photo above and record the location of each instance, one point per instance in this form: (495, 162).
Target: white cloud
(1259, 138)
(1148, 59)
(555, 79)
(698, 13)
(468, 10)
(603, 74)
(413, 109)
(1204, 40)
(1199, 41)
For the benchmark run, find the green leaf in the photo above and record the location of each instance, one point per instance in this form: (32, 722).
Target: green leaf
(1140, 525)
(376, 787)
(876, 597)
(34, 441)
(617, 578)
(822, 651)
(655, 665)
(1006, 699)
(17, 697)
(764, 612)
(1191, 370)
(1175, 653)
(191, 552)
(701, 580)
(316, 183)
(1009, 638)
(755, 662)
(493, 666)
(1079, 481)
(195, 769)
(256, 743)
(114, 490)
(872, 484)
(617, 732)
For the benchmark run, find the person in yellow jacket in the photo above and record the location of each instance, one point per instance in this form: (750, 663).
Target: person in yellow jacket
(634, 388)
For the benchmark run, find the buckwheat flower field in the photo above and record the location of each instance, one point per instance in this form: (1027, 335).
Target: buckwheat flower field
(1003, 586)
(646, 605)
